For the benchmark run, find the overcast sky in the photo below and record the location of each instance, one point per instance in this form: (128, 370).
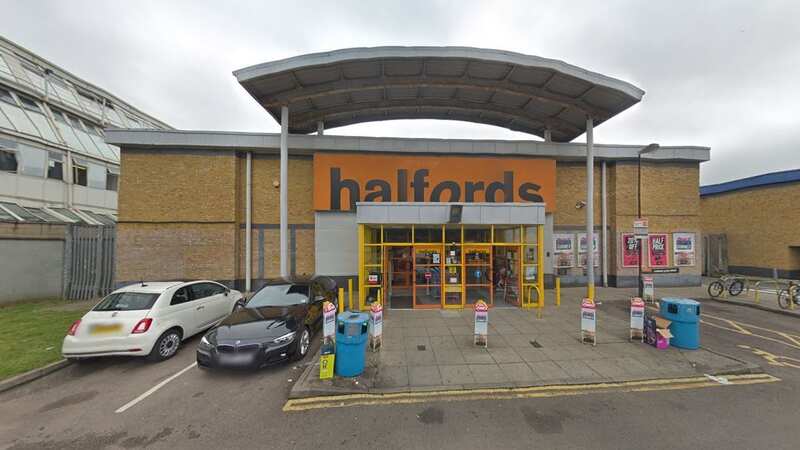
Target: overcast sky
(721, 74)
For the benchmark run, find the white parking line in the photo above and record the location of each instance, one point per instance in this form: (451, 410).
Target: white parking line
(150, 391)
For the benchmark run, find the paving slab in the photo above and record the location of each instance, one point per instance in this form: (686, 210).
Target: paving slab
(434, 350)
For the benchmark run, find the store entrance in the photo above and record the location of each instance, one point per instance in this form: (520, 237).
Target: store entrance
(506, 281)
(399, 276)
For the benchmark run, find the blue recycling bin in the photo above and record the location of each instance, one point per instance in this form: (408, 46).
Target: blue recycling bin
(685, 316)
(351, 344)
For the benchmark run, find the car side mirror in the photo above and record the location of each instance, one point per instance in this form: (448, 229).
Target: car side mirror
(227, 291)
(240, 303)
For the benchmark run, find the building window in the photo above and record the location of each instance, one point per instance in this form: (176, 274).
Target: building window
(8, 161)
(55, 166)
(79, 172)
(112, 180)
(97, 176)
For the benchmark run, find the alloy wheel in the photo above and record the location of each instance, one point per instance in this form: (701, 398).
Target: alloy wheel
(169, 345)
(305, 342)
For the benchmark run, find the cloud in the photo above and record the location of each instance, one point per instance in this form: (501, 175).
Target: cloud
(716, 73)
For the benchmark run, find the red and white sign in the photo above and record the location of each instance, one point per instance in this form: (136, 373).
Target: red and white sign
(428, 276)
(637, 314)
(657, 249)
(372, 278)
(588, 316)
(630, 250)
(481, 323)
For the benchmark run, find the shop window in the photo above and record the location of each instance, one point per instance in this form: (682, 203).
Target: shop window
(428, 234)
(507, 234)
(112, 180)
(55, 166)
(79, 172)
(477, 234)
(8, 160)
(398, 235)
(372, 235)
(452, 234)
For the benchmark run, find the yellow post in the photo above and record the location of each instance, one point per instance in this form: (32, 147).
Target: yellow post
(350, 293)
(361, 261)
(540, 259)
(341, 300)
(756, 287)
(379, 296)
(558, 291)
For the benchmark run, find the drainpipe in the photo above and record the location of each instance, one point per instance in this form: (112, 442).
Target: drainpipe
(589, 206)
(248, 237)
(320, 128)
(284, 186)
(604, 232)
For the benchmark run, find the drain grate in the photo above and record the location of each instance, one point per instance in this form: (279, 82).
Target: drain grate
(536, 344)
(421, 348)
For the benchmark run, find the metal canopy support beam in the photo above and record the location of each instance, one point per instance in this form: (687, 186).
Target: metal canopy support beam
(248, 229)
(284, 186)
(589, 207)
(548, 135)
(604, 231)
(320, 128)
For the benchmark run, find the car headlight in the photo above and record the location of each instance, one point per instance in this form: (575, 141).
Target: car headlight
(285, 339)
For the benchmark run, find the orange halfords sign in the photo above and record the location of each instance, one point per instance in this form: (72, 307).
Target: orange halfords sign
(341, 180)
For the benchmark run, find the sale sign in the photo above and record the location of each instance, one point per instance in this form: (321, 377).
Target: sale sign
(630, 250)
(684, 248)
(657, 249)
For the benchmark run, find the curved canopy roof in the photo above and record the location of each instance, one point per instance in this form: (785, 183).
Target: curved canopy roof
(511, 90)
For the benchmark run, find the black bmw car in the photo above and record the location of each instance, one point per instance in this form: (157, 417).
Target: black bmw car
(276, 324)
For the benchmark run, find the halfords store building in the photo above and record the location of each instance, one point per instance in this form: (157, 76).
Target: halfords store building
(432, 223)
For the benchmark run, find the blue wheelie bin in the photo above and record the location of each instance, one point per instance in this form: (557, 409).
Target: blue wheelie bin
(685, 316)
(351, 344)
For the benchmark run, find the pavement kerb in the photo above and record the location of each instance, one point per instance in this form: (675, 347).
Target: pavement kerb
(296, 393)
(31, 375)
(754, 306)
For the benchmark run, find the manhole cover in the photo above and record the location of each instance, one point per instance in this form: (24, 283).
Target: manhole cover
(421, 348)
(536, 344)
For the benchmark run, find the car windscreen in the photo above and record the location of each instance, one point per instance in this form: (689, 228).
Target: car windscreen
(279, 295)
(127, 301)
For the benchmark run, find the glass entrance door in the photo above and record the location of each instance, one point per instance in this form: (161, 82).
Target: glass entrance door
(507, 266)
(478, 274)
(399, 279)
(428, 276)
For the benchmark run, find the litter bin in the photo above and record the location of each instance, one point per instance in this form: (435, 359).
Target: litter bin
(351, 344)
(685, 316)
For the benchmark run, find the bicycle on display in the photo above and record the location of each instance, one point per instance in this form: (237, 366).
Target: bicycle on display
(734, 285)
(789, 296)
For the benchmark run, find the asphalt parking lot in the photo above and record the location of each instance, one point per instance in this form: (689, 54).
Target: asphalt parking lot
(76, 408)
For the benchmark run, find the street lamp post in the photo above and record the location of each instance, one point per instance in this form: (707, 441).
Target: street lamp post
(650, 148)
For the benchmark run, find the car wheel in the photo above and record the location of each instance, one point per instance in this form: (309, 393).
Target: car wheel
(303, 344)
(166, 346)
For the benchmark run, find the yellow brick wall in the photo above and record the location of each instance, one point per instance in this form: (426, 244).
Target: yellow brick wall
(177, 186)
(570, 189)
(266, 196)
(761, 225)
(175, 251)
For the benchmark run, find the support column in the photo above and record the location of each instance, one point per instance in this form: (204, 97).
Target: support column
(248, 228)
(284, 187)
(604, 231)
(320, 128)
(589, 207)
(547, 135)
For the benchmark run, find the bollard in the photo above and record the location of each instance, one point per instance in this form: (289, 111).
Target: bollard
(350, 293)
(558, 291)
(756, 287)
(341, 300)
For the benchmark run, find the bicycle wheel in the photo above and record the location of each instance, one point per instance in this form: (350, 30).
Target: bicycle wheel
(715, 289)
(783, 299)
(736, 287)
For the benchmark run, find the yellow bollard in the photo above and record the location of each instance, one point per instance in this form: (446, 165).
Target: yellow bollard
(350, 293)
(379, 297)
(558, 291)
(341, 300)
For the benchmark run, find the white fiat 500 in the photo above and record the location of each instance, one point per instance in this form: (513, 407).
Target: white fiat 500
(149, 319)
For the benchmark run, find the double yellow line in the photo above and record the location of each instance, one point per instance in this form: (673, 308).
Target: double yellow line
(342, 401)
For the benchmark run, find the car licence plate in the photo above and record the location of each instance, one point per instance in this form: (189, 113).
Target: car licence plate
(106, 328)
(236, 359)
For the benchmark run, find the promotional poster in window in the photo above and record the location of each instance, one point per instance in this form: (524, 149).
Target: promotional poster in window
(630, 250)
(657, 248)
(684, 247)
(564, 249)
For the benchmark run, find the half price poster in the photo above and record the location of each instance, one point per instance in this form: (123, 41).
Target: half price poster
(657, 249)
